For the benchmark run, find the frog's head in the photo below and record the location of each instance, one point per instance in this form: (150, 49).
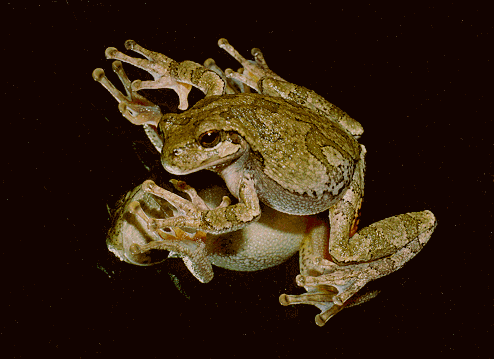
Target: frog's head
(193, 144)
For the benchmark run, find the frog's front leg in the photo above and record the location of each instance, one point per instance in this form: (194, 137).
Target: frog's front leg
(191, 248)
(134, 107)
(196, 214)
(131, 240)
(168, 73)
(222, 219)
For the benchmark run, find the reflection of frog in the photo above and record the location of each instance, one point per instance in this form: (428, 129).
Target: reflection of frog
(285, 147)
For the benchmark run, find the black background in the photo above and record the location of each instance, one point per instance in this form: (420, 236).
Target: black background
(418, 78)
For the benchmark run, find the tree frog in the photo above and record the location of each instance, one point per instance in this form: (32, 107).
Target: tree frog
(285, 148)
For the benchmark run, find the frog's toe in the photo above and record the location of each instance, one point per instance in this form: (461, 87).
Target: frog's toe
(190, 247)
(347, 281)
(326, 299)
(321, 297)
(252, 71)
(243, 77)
(134, 107)
(233, 86)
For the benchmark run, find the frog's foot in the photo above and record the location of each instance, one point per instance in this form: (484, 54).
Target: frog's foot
(190, 247)
(411, 231)
(322, 297)
(192, 212)
(168, 73)
(192, 193)
(233, 85)
(134, 107)
(331, 291)
(158, 65)
(253, 71)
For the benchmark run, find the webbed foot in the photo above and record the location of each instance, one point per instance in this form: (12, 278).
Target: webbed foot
(233, 85)
(133, 238)
(168, 73)
(330, 287)
(252, 71)
(191, 247)
(322, 297)
(194, 214)
(134, 107)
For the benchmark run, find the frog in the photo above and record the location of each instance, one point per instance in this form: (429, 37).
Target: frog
(282, 147)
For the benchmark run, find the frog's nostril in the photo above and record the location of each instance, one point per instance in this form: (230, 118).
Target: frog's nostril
(177, 152)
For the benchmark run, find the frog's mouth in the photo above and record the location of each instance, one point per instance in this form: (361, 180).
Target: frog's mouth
(215, 159)
(214, 163)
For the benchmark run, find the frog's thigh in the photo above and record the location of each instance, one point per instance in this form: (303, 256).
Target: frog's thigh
(398, 238)
(303, 96)
(380, 239)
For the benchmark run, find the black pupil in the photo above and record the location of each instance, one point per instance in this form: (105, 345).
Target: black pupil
(209, 138)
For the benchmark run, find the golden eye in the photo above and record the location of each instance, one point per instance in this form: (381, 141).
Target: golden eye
(209, 139)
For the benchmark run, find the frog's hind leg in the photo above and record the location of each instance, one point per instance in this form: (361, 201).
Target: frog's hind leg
(353, 258)
(233, 86)
(331, 287)
(252, 71)
(261, 78)
(321, 295)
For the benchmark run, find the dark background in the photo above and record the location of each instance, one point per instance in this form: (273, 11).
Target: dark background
(418, 78)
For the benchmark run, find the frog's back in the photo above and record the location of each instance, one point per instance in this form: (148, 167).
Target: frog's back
(295, 150)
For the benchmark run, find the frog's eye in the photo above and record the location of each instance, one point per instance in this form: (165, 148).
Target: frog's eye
(209, 139)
